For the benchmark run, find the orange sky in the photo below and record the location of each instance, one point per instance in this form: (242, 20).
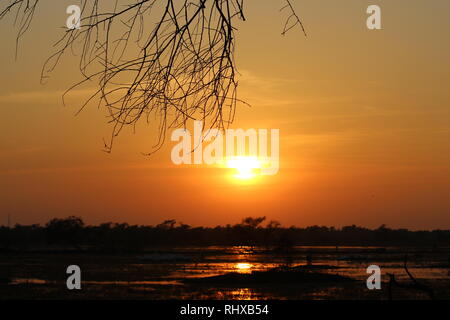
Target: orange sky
(363, 118)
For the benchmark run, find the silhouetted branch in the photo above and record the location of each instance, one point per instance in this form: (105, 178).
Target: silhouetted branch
(293, 20)
(181, 67)
(415, 285)
(24, 12)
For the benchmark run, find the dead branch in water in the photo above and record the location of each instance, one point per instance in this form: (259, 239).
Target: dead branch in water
(415, 285)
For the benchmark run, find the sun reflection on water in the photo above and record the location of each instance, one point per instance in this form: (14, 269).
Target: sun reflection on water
(243, 294)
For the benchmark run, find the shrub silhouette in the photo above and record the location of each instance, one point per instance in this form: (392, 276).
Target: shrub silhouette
(65, 232)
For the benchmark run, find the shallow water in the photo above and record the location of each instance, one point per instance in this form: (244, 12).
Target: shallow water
(349, 261)
(160, 274)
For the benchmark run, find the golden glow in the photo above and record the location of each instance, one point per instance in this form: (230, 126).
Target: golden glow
(245, 166)
(243, 267)
(243, 294)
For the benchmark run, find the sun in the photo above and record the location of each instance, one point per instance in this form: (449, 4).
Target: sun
(246, 167)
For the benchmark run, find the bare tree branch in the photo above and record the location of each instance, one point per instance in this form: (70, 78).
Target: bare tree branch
(164, 59)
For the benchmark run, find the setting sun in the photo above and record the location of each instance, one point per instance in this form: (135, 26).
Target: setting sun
(245, 166)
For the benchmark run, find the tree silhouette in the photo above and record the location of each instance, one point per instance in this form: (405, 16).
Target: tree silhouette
(167, 224)
(252, 223)
(115, 237)
(66, 231)
(173, 60)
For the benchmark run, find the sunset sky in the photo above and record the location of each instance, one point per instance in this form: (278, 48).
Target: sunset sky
(364, 120)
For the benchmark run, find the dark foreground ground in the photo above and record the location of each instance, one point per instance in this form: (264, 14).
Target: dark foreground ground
(226, 273)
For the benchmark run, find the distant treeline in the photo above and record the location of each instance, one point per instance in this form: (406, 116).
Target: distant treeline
(72, 233)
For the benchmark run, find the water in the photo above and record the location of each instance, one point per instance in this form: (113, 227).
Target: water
(161, 274)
